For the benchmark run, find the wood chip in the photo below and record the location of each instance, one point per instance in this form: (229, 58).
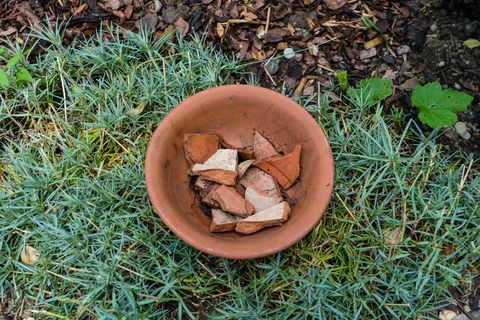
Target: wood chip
(222, 221)
(221, 167)
(272, 216)
(284, 169)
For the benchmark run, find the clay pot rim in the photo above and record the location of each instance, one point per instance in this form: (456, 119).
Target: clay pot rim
(191, 239)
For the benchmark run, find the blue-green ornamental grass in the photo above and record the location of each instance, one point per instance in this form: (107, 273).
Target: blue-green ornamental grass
(403, 224)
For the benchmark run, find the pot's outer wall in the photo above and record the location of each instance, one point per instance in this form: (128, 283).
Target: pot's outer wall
(234, 112)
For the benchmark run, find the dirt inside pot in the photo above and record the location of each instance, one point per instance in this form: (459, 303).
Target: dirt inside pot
(241, 189)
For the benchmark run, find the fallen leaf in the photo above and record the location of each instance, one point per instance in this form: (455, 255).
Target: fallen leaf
(471, 43)
(373, 43)
(335, 4)
(137, 110)
(220, 30)
(250, 16)
(395, 236)
(9, 31)
(29, 255)
(446, 314)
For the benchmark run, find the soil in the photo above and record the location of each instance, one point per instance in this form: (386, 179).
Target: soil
(427, 41)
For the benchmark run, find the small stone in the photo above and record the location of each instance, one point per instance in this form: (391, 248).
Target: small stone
(222, 221)
(390, 74)
(232, 202)
(457, 86)
(149, 21)
(272, 66)
(284, 169)
(261, 32)
(335, 4)
(462, 130)
(389, 59)
(367, 54)
(262, 147)
(288, 53)
(441, 64)
(470, 28)
(313, 49)
(433, 28)
(464, 317)
(221, 167)
(410, 84)
(298, 20)
(113, 4)
(308, 91)
(403, 49)
(272, 216)
(170, 14)
(157, 5)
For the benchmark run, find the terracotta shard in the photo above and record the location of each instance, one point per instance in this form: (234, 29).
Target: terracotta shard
(199, 147)
(232, 202)
(262, 147)
(285, 169)
(208, 195)
(221, 167)
(260, 181)
(272, 216)
(260, 200)
(222, 221)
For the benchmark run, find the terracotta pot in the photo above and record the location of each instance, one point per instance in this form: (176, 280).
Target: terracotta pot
(234, 112)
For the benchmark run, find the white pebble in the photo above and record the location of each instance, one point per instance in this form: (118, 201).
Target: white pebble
(289, 53)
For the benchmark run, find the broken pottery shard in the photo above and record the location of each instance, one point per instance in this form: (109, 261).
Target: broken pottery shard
(260, 181)
(199, 147)
(246, 153)
(262, 147)
(284, 169)
(221, 167)
(260, 200)
(232, 202)
(208, 195)
(272, 216)
(222, 221)
(242, 167)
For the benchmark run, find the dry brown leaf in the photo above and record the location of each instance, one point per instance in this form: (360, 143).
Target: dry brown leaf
(220, 30)
(394, 237)
(29, 255)
(138, 109)
(373, 43)
(250, 16)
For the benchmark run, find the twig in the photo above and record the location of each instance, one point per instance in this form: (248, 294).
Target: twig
(268, 20)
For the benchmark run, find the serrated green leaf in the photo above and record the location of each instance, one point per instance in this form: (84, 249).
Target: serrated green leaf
(374, 89)
(23, 76)
(342, 79)
(13, 61)
(3, 78)
(471, 43)
(438, 107)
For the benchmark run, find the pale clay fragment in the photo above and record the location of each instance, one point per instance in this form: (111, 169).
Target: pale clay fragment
(272, 216)
(221, 167)
(261, 181)
(243, 166)
(260, 200)
(222, 221)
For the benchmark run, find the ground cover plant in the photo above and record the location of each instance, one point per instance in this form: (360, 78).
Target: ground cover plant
(402, 227)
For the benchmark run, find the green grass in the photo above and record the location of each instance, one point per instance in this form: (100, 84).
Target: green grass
(71, 186)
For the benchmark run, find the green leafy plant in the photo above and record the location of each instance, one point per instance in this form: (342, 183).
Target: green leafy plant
(372, 90)
(15, 70)
(342, 78)
(438, 107)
